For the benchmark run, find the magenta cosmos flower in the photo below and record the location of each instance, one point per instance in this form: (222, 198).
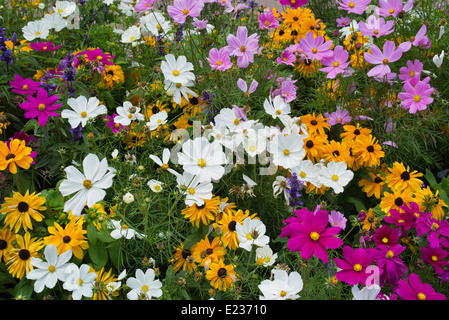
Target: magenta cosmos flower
(219, 59)
(315, 48)
(416, 290)
(294, 3)
(392, 8)
(412, 70)
(144, 5)
(44, 46)
(353, 6)
(335, 64)
(391, 264)
(416, 98)
(375, 27)
(115, 127)
(42, 106)
(287, 58)
(434, 228)
(181, 9)
(267, 20)
(309, 234)
(97, 55)
(382, 59)
(24, 86)
(243, 46)
(354, 265)
(436, 258)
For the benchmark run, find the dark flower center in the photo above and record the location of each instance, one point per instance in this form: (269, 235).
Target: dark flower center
(24, 254)
(370, 148)
(10, 156)
(398, 201)
(314, 122)
(186, 253)
(23, 207)
(336, 153)
(194, 101)
(222, 272)
(378, 180)
(155, 110)
(356, 132)
(405, 176)
(3, 244)
(231, 225)
(201, 206)
(309, 144)
(66, 239)
(209, 251)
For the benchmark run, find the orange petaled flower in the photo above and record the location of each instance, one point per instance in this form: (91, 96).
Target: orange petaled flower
(204, 213)
(367, 151)
(205, 251)
(373, 186)
(14, 154)
(183, 259)
(400, 178)
(221, 276)
(19, 259)
(315, 123)
(7, 237)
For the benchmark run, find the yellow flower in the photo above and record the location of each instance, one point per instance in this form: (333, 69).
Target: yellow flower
(400, 178)
(19, 210)
(183, 259)
(395, 200)
(353, 133)
(221, 276)
(370, 220)
(373, 187)
(430, 202)
(100, 289)
(7, 238)
(17, 154)
(314, 145)
(335, 151)
(69, 238)
(204, 213)
(229, 220)
(19, 257)
(315, 123)
(367, 151)
(113, 75)
(206, 251)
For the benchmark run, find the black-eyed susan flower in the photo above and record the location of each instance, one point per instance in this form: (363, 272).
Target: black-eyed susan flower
(20, 210)
(19, 263)
(71, 237)
(315, 123)
(15, 153)
(401, 178)
(230, 219)
(7, 238)
(314, 145)
(183, 259)
(206, 251)
(367, 151)
(395, 200)
(221, 276)
(352, 133)
(202, 213)
(373, 186)
(428, 201)
(100, 288)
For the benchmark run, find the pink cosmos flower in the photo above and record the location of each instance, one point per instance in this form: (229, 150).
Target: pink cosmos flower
(435, 257)
(200, 24)
(294, 3)
(354, 265)
(287, 90)
(244, 87)
(416, 98)
(382, 59)
(389, 261)
(375, 27)
(337, 219)
(97, 55)
(421, 39)
(287, 58)
(144, 5)
(181, 9)
(309, 234)
(315, 48)
(338, 116)
(267, 20)
(219, 59)
(412, 70)
(343, 22)
(353, 6)
(414, 289)
(434, 228)
(243, 46)
(24, 86)
(44, 46)
(41, 107)
(393, 7)
(335, 64)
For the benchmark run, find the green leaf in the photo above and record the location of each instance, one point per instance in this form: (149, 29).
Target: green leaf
(92, 233)
(359, 205)
(196, 236)
(98, 254)
(430, 178)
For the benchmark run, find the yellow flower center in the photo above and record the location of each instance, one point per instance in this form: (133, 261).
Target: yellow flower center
(358, 267)
(267, 259)
(191, 190)
(25, 87)
(314, 50)
(390, 254)
(185, 12)
(201, 162)
(130, 116)
(385, 61)
(385, 240)
(124, 227)
(314, 236)
(38, 33)
(178, 85)
(267, 23)
(336, 64)
(41, 107)
(259, 261)
(79, 281)
(278, 111)
(45, 48)
(99, 57)
(412, 74)
(132, 38)
(434, 258)
(335, 177)
(249, 236)
(165, 166)
(351, 5)
(302, 174)
(283, 293)
(236, 121)
(158, 26)
(252, 148)
(83, 114)
(87, 183)
(417, 98)
(175, 73)
(391, 11)
(421, 296)
(51, 268)
(242, 48)
(376, 31)
(144, 288)
(435, 226)
(219, 63)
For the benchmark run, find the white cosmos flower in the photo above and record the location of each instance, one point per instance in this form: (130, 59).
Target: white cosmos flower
(306, 171)
(128, 198)
(280, 185)
(64, 8)
(276, 107)
(438, 59)
(203, 159)
(287, 150)
(47, 273)
(251, 232)
(128, 113)
(179, 90)
(255, 143)
(89, 186)
(36, 29)
(366, 293)
(265, 256)
(194, 190)
(156, 22)
(144, 284)
(163, 163)
(155, 185)
(284, 286)
(157, 120)
(336, 176)
(83, 110)
(56, 21)
(177, 70)
(130, 35)
(80, 281)
(120, 230)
